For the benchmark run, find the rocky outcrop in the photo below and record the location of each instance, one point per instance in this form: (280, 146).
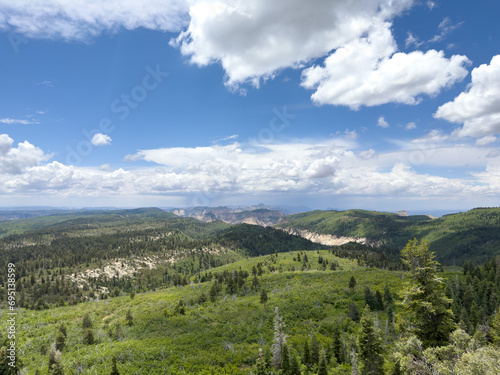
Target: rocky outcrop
(253, 215)
(325, 239)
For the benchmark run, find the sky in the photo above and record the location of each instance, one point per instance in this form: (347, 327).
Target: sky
(374, 104)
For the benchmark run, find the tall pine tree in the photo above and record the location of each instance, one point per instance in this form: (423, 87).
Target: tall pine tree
(426, 310)
(371, 360)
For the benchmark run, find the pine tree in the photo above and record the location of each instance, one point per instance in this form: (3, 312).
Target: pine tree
(129, 317)
(87, 322)
(314, 349)
(371, 360)
(353, 312)
(425, 308)
(495, 329)
(322, 369)
(294, 365)
(114, 369)
(285, 360)
(60, 341)
(263, 298)
(306, 360)
(260, 365)
(88, 336)
(352, 283)
(55, 366)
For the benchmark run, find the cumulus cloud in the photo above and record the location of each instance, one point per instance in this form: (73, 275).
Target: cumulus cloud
(81, 19)
(15, 160)
(255, 39)
(304, 167)
(382, 123)
(410, 126)
(478, 108)
(369, 72)
(486, 140)
(100, 139)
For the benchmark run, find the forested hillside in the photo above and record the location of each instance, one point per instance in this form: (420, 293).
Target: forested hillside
(472, 235)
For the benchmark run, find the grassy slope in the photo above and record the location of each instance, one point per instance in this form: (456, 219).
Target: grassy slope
(470, 235)
(210, 334)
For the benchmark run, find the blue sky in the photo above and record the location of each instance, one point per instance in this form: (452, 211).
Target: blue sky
(381, 105)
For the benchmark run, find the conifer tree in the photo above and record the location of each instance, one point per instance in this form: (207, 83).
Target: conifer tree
(294, 365)
(55, 366)
(285, 360)
(352, 283)
(114, 369)
(370, 356)
(260, 365)
(322, 369)
(425, 308)
(263, 298)
(306, 360)
(129, 317)
(314, 349)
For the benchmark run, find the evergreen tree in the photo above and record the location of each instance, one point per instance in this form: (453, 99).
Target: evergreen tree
(371, 360)
(370, 299)
(337, 344)
(60, 341)
(129, 317)
(353, 312)
(388, 297)
(114, 369)
(263, 298)
(379, 300)
(495, 329)
(322, 369)
(294, 365)
(306, 359)
(55, 366)
(87, 322)
(285, 360)
(425, 308)
(352, 283)
(314, 349)
(260, 365)
(88, 337)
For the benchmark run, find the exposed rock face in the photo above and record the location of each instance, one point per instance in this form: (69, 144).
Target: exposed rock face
(255, 215)
(325, 239)
(402, 213)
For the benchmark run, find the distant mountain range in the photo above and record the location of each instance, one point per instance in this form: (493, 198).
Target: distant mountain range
(257, 215)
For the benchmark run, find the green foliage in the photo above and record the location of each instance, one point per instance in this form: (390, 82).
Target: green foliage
(425, 308)
(353, 312)
(88, 336)
(114, 369)
(370, 355)
(55, 367)
(352, 282)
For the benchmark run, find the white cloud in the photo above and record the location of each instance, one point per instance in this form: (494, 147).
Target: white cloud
(15, 160)
(368, 72)
(382, 123)
(17, 121)
(478, 109)
(486, 140)
(5, 143)
(105, 167)
(100, 139)
(309, 168)
(81, 19)
(254, 39)
(410, 126)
